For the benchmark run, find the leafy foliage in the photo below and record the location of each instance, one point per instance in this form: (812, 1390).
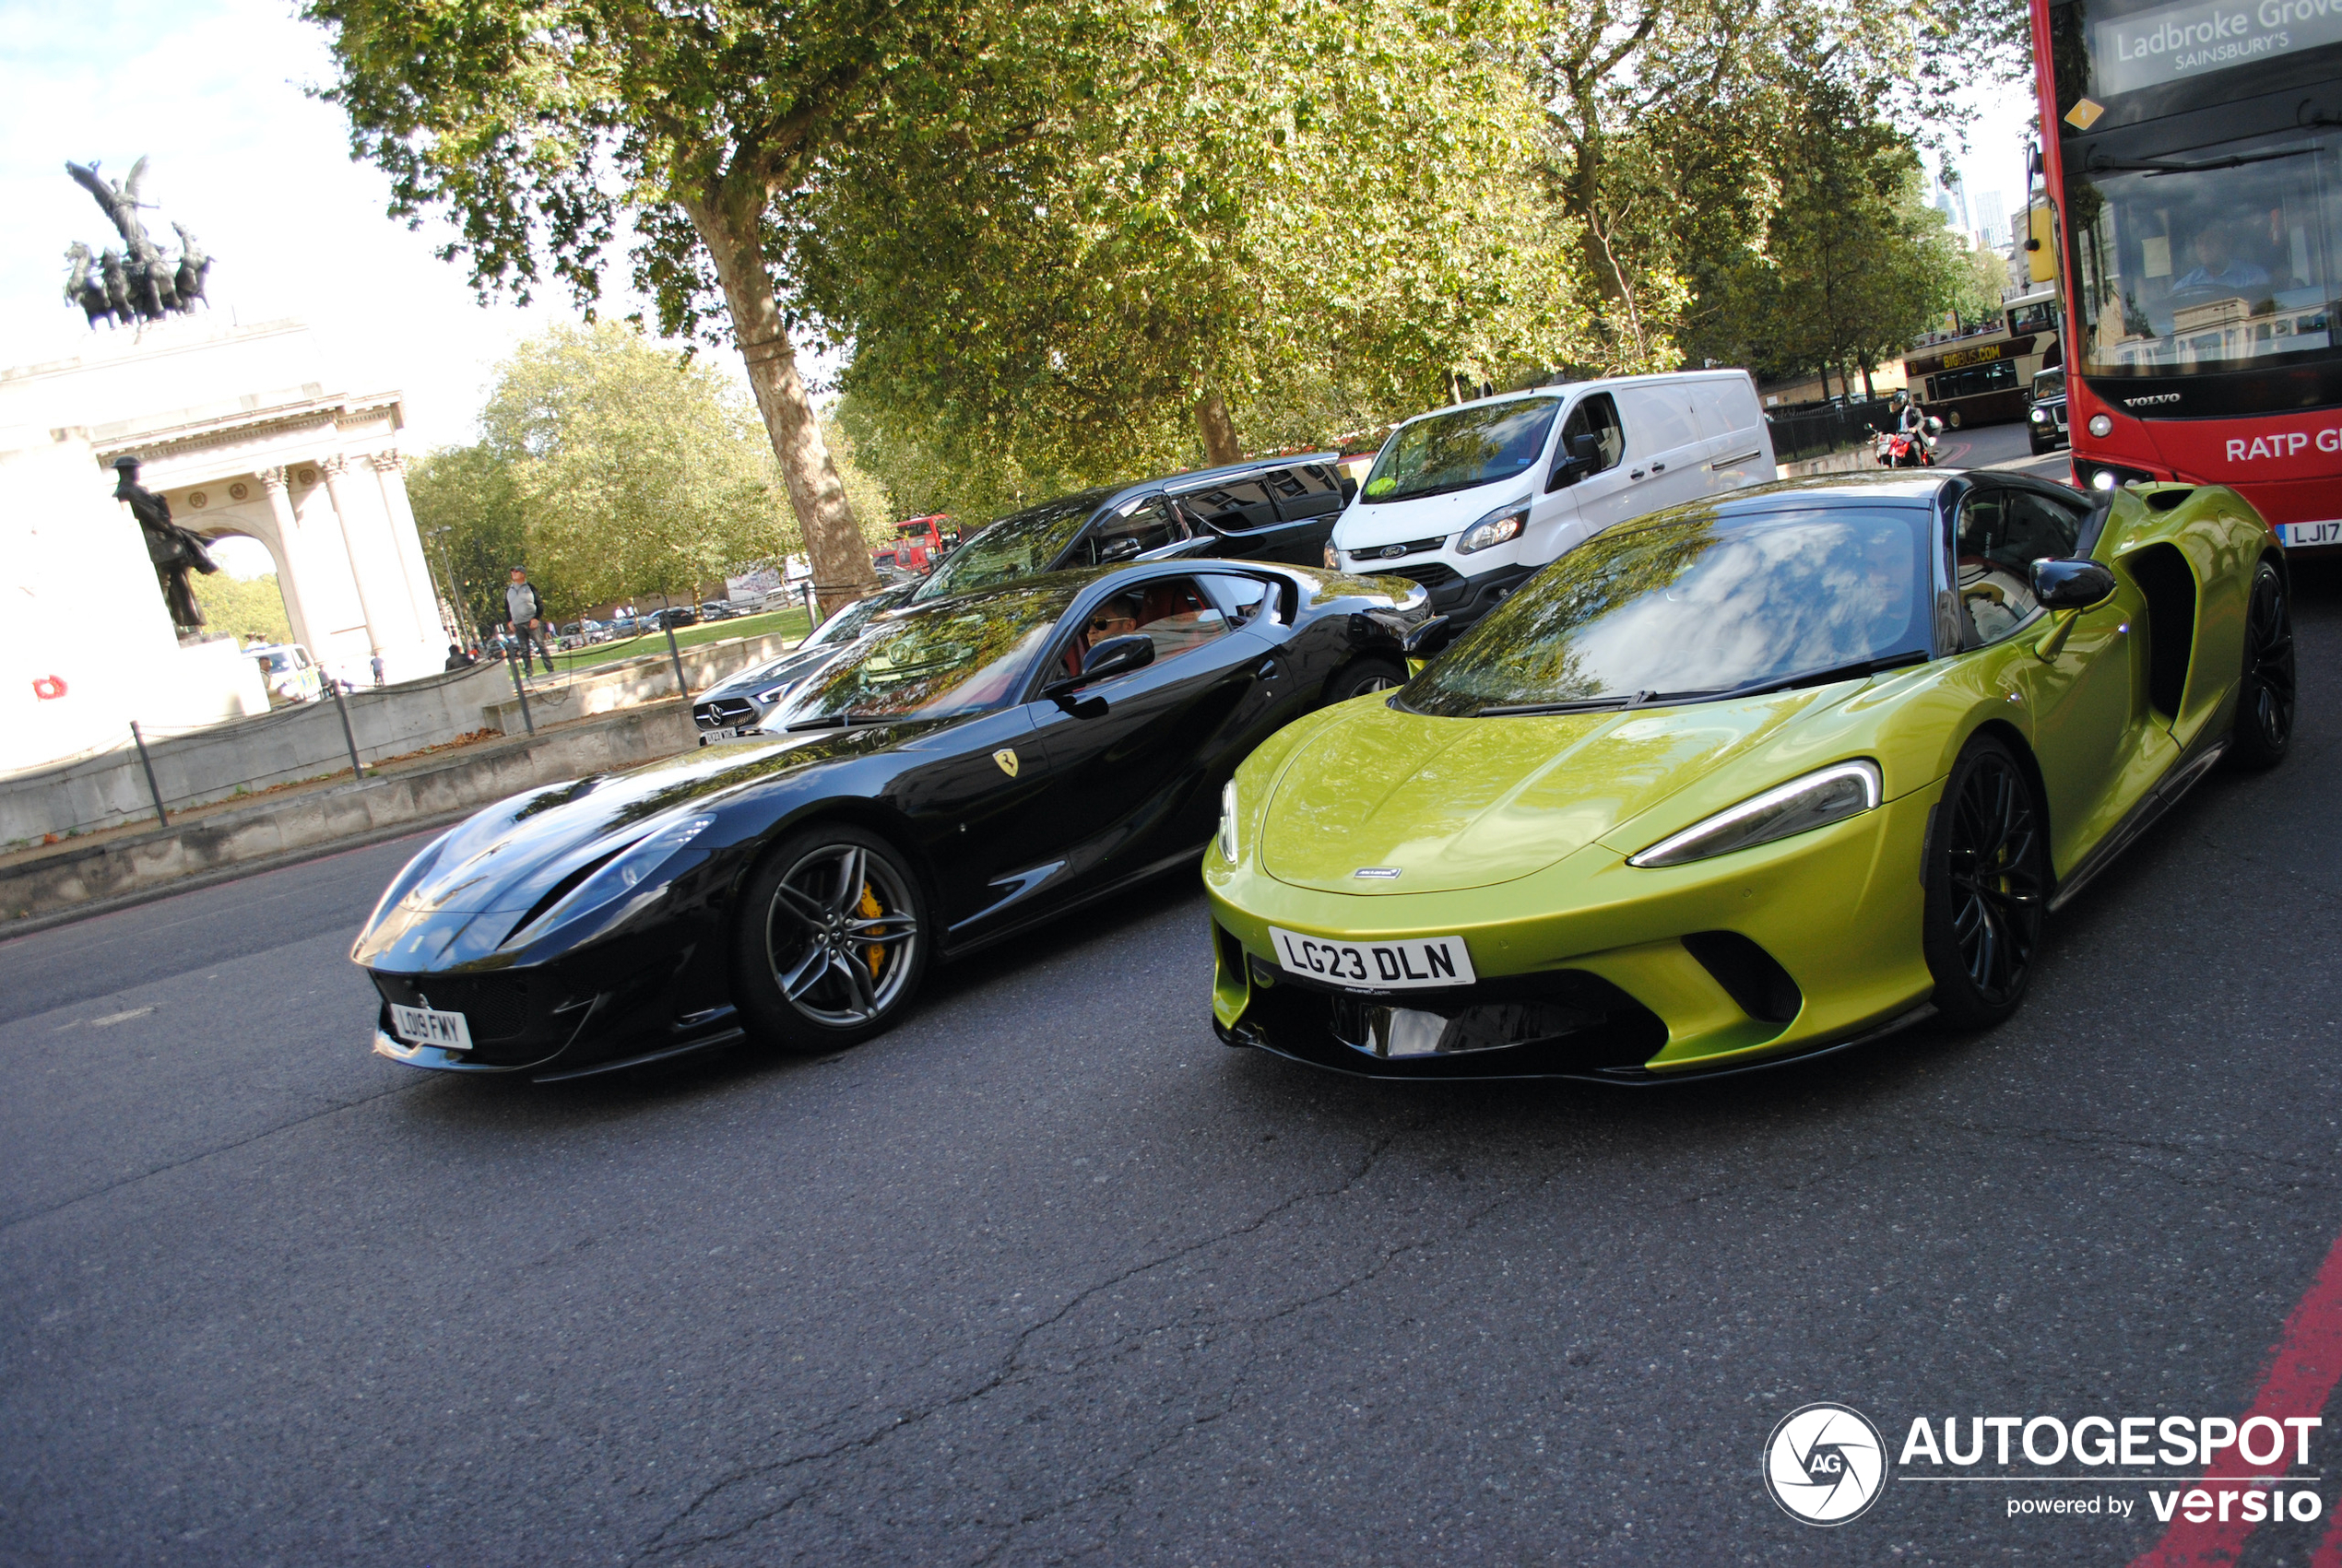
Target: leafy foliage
(468, 508)
(1261, 223)
(246, 607)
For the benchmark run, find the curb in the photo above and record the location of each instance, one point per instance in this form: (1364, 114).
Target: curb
(34, 923)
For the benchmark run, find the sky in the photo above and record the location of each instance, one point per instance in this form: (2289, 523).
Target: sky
(210, 92)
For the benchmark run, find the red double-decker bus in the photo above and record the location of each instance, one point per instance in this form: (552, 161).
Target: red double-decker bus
(2192, 155)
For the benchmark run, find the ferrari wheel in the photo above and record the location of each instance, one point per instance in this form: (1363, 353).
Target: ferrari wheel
(2264, 730)
(1367, 674)
(1987, 884)
(830, 942)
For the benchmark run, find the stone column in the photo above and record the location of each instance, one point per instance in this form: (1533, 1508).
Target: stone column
(390, 473)
(378, 628)
(295, 586)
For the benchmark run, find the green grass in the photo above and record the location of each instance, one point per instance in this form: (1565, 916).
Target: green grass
(789, 623)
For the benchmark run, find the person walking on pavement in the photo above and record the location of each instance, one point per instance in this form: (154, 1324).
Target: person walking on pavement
(525, 618)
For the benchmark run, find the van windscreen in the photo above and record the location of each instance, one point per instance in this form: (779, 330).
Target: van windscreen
(1476, 444)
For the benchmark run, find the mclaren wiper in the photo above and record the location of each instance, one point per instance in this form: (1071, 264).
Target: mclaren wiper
(1581, 705)
(2173, 166)
(1829, 677)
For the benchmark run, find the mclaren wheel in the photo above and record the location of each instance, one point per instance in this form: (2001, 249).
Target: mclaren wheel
(1987, 886)
(830, 940)
(1367, 674)
(2264, 730)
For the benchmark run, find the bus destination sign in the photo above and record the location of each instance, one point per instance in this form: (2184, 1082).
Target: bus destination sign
(2172, 42)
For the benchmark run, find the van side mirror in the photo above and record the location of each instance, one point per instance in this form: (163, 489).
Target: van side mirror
(1349, 486)
(1585, 457)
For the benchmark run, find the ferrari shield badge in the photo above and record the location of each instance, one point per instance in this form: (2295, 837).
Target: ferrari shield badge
(1007, 758)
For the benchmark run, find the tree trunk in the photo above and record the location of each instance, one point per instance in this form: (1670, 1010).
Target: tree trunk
(841, 560)
(1218, 430)
(1869, 390)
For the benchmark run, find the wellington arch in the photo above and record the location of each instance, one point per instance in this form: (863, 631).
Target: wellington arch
(244, 430)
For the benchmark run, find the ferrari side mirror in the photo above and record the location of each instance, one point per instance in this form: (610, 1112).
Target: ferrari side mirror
(1116, 655)
(1120, 549)
(2071, 584)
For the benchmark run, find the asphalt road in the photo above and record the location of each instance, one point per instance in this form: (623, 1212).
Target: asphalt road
(1048, 1274)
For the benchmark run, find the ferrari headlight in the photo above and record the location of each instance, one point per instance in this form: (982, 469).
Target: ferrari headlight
(631, 880)
(1228, 844)
(1834, 794)
(1505, 523)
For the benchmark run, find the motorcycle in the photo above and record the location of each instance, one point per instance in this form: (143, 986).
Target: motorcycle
(1908, 449)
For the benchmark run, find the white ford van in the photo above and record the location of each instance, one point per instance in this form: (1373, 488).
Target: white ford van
(1471, 500)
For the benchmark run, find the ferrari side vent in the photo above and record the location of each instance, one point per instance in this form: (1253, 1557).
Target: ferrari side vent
(1752, 978)
(2163, 575)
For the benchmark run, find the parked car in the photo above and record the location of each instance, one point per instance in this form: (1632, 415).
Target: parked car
(1750, 779)
(677, 616)
(739, 705)
(718, 609)
(1276, 509)
(962, 773)
(289, 673)
(624, 626)
(2045, 420)
(1470, 501)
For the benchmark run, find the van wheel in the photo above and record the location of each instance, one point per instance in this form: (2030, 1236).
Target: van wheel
(1367, 674)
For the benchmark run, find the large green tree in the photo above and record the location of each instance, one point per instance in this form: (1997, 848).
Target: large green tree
(634, 474)
(1264, 220)
(545, 129)
(468, 506)
(1667, 120)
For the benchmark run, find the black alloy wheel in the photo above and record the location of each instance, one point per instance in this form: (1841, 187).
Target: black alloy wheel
(2264, 730)
(828, 944)
(1987, 887)
(1367, 674)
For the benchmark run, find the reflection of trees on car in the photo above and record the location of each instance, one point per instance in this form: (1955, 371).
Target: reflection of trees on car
(929, 665)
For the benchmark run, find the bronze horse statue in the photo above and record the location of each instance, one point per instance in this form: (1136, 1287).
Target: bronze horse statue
(137, 283)
(85, 288)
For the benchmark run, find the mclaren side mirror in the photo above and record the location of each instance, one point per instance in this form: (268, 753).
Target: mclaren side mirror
(1116, 655)
(2061, 584)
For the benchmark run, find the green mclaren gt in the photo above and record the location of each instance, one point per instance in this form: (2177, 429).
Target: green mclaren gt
(1747, 780)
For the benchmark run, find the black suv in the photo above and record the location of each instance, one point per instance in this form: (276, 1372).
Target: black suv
(1276, 509)
(2045, 420)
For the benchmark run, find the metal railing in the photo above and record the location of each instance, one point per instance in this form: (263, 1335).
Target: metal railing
(1815, 432)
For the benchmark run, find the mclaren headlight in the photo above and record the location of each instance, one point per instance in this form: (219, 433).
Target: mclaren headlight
(1847, 789)
(628, 881)
(1500, 526)
(1230, 844)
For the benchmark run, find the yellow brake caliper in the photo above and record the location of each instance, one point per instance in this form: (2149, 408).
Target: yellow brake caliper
(868, 909)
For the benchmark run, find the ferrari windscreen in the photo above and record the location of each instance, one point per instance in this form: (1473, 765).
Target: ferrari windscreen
(1698, 606)
(959, 657)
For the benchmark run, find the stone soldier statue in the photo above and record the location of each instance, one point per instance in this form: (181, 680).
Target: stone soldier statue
(173, 549)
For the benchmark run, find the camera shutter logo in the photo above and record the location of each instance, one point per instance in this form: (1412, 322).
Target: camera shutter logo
(1825, 1463)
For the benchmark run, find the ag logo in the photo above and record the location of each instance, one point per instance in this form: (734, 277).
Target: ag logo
(1825, 1463)
(1007, 758)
